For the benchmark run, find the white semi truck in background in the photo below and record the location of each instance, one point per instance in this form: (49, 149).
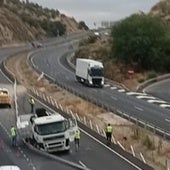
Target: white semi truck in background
(48, 131)
(90, 72)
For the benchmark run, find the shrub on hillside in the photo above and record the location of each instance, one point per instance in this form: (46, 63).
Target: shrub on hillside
(144, 40)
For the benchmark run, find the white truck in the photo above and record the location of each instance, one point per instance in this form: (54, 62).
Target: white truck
(48, 131)
(90, 72)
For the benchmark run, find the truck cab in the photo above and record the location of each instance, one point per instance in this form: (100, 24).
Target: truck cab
(48, 131)
(90, 72)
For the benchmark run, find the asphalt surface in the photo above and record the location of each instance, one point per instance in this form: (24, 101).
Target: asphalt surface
(160, 89)
(91, 154)
(51, 61)
(20, 155)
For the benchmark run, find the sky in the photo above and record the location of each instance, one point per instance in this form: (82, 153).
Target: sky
(96, 11)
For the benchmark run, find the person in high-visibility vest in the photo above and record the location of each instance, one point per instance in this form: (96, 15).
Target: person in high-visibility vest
(13, 135)
(109, 130)
(77, 139)
(32, 103)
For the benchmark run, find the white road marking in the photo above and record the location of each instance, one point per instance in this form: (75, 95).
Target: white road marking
(114, 98)
(156, 101)
(106, 85)
(165, 105)
(82, 164)
(167, 120)
(138, 108)
(113, 88)
(121, 90)
(135, 93)
(145, 97)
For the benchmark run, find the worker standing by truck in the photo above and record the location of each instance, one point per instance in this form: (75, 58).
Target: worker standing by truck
(109, 130)
(13, 135)
(77, 140)
(32, 103)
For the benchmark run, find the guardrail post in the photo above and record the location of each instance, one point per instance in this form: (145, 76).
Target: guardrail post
(142, 157)
(132, 150)
(78, 118)
(120, 145)
(91, 126)
(98, 131)
(85, 120)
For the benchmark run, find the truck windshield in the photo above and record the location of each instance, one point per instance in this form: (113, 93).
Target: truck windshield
(50, 128)
(96, 71)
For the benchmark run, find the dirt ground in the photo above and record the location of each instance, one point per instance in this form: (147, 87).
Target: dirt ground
(155, 150)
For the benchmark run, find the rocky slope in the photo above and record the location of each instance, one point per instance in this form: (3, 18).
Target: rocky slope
(20, 21)
(162, 9)
(12, 28)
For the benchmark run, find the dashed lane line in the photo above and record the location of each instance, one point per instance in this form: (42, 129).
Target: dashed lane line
(138, 108)
(121, 90)
(113, 88)
(167, 120)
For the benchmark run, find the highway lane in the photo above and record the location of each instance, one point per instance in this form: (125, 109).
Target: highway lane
(160, 89)
(92, 154)
(20, 155)
(50, 62)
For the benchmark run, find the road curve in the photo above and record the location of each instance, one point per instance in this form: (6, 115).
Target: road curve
(160, 89)
(48, 60)
(21, 156)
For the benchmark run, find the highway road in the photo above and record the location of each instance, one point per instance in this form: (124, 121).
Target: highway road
(160, 89)
(51, 61)
(92, 154)
(21, 155)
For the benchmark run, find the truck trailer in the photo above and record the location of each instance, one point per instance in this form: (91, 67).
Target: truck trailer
(47, 131)
(90, 72)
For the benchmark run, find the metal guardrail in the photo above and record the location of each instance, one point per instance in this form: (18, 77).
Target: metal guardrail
(139, 122)
(85, 122)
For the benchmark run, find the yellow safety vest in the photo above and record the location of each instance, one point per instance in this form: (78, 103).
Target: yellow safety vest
(109, 129)
(32, 101)
(13, 131)
(77, 135)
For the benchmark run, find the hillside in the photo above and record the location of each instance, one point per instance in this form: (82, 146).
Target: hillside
(162, 9)
(20, 21)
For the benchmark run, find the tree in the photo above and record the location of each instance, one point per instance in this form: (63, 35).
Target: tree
(139, 39)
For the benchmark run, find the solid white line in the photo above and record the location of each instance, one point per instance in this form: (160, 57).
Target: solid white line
(81, 163)
(125, 159)
(6, 77)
